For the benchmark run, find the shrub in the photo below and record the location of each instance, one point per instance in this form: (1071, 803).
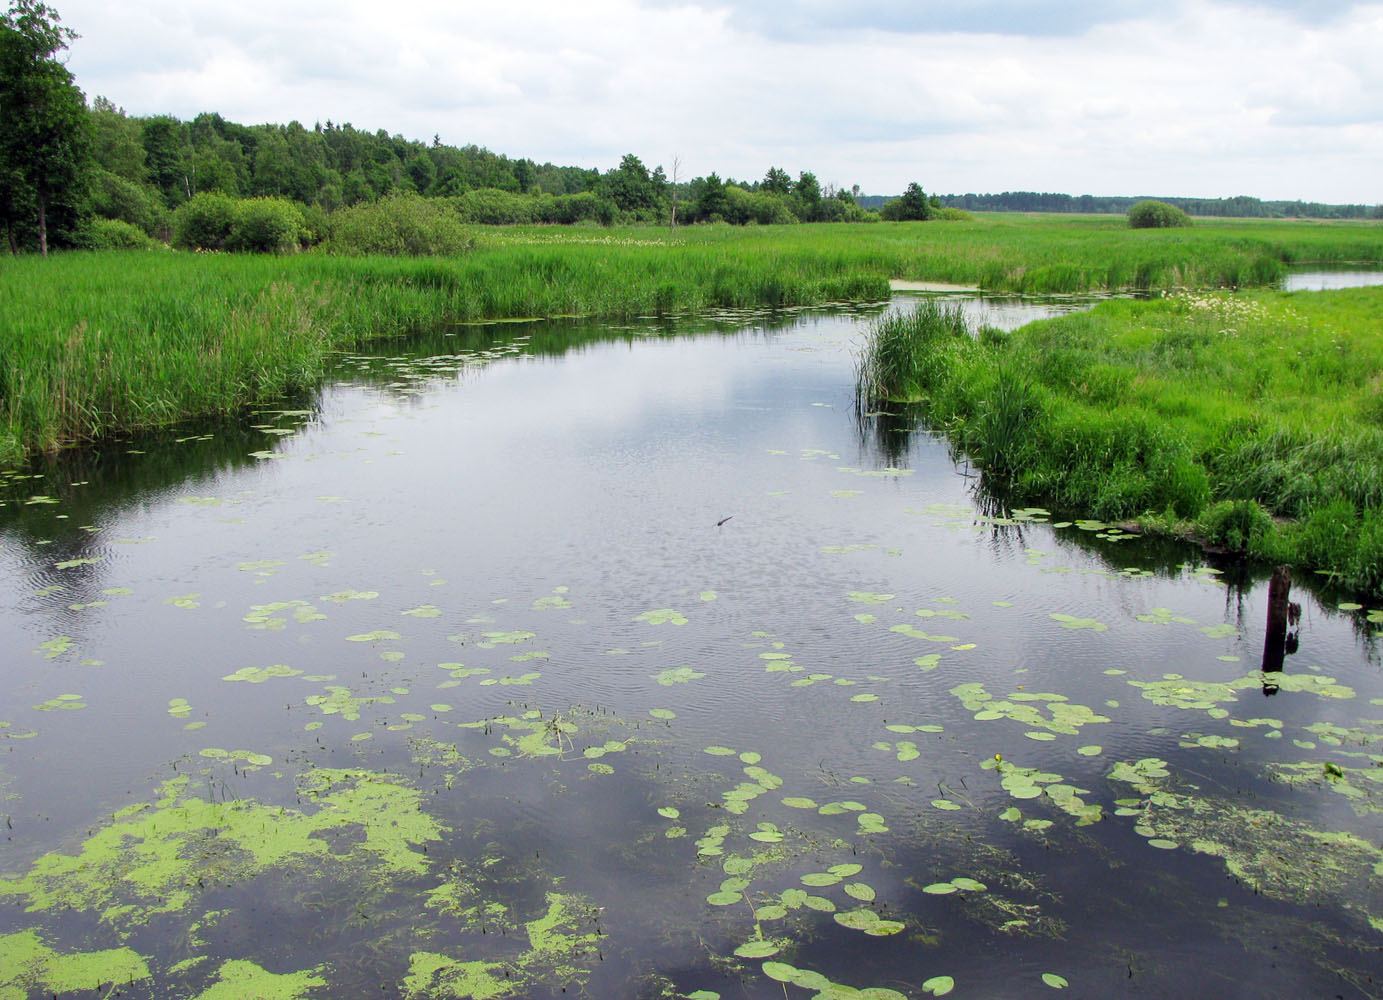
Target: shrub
(911, 206)
(117, 234)
(114, 197)
(204, 222)
(566, 209)
(1152, 214)
(761, 207)
(493, 207)
(266, 225)
(316, 224)
(399, 225)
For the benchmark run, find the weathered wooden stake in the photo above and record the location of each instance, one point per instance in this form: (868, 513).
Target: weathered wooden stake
(1275, 643)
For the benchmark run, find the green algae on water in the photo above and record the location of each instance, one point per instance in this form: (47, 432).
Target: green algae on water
(239, 979)
(151, 858)
(28, 964)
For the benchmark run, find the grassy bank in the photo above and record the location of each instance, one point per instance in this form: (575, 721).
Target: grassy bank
(118, 340)
(1255, 419)
(1030, 253)
(99, 342)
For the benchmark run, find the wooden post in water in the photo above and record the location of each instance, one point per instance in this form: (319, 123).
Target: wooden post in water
(1279, 603)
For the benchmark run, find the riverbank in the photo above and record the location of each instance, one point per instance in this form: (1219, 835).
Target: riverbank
(96, 343)
(1253, 420)
(104, 342)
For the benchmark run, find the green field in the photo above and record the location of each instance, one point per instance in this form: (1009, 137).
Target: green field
(102, 342)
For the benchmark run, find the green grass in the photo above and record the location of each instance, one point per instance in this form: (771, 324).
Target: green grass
(1256, 418)
(1028, 253)
(99, 342)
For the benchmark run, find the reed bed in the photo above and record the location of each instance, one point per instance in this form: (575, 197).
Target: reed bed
(1253, 420)
(120, 340)
(99, 342)
(1038, 254)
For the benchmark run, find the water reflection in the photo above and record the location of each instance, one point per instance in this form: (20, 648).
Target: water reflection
(1330, 279)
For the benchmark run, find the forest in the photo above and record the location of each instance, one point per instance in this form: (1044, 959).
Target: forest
(87, 174)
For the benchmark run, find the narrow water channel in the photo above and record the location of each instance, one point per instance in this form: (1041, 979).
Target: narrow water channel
(549, 660)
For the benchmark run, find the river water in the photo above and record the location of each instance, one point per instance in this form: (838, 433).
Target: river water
(539, 659)
(1328, 279)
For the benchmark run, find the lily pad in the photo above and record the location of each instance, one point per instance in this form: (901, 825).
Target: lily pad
(757, 949)
(1070, 621)
(663, 616)
(677, 675)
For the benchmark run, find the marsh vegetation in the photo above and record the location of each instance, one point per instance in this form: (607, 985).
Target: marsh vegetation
(107, 341)
(1251, 420)
(876, 735)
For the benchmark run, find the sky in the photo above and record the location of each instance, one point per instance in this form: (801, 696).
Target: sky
(1279, 99)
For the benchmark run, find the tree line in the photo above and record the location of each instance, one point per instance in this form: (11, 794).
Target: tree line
(73, 174)
(1241, 206)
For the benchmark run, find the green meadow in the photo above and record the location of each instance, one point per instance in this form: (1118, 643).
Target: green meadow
(1251, 420)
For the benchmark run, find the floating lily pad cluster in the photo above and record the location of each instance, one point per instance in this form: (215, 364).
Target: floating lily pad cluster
(1026, 707)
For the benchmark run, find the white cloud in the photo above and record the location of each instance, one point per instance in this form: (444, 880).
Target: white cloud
(1277, 99)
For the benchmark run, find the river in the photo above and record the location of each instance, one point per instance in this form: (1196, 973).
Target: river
(533, 659)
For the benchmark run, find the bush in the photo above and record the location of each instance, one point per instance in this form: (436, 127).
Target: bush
(760, 207)
(912, 206)
(114, 197)
(266, 225)
(117, 234)
(316, 224)
(399, 225)
(1152, 214)
(204, 222)
(493, 207)
(567, 209)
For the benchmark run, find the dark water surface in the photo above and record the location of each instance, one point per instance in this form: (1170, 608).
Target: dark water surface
(548, 660)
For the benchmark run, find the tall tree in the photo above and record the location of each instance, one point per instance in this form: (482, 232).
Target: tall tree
(807, 194)
(712, 201)
(117, 141)
(672, 188)
(631, 188)
(166, 152)
(776, 181)
(44, 140)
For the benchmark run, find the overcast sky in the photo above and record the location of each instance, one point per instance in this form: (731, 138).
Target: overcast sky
(1272, 98)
